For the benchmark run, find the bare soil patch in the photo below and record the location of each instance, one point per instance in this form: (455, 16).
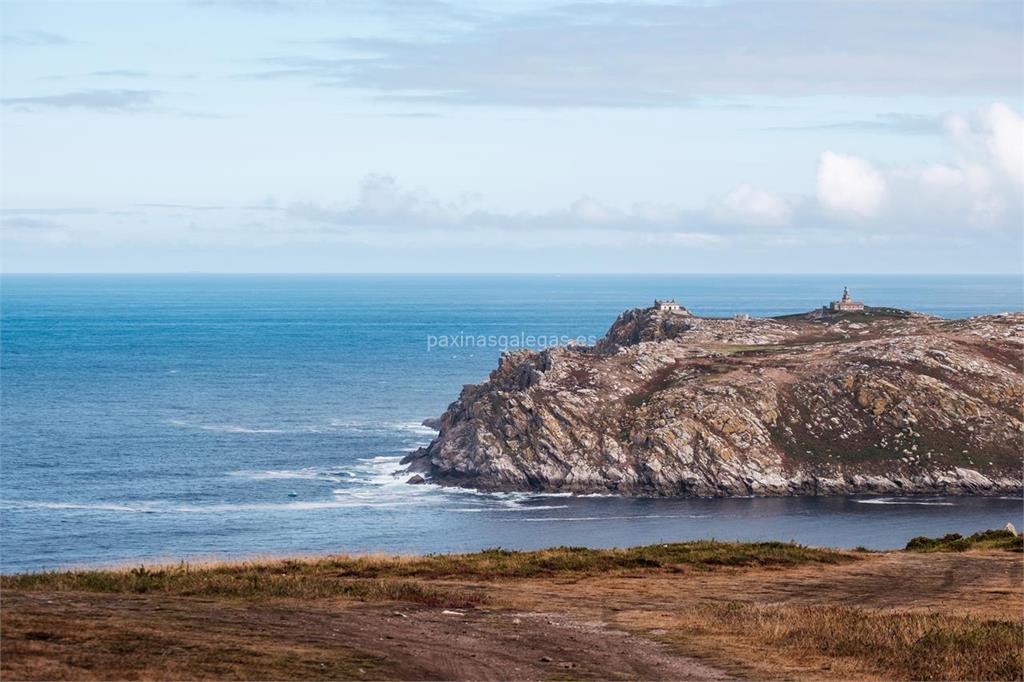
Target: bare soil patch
(891, 615)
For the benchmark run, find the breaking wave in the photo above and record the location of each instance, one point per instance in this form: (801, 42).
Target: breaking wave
(409, 434)
(222, 428)
(557, 519)
(370, 483)
(903, 500)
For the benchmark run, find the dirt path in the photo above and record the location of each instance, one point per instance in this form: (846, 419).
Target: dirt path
(988, 584)
(658, 607)
(86, 636)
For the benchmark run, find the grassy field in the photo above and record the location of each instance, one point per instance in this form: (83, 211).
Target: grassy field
(945, 608)
(904, 644)
(377, 578)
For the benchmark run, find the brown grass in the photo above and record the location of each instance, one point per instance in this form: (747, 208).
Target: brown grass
(285, 579)
(907, 645)
(127, 643)
(375, 578)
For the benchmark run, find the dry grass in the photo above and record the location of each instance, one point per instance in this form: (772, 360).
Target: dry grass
(244, 581)
(499, 563)
(103, 650)
(374, 578)
(908, 645)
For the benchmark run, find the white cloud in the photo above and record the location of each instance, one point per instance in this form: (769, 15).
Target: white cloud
(382, 201)
(381, 198)
(747, 205)
(995, 140)
(850, 185)
(591, 210)
(978, 187)
(944, 196)
(1006, 140)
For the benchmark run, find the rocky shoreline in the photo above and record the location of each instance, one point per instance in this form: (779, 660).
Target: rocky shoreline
(878, 400)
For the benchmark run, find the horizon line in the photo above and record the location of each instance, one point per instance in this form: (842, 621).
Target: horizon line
(507, 274)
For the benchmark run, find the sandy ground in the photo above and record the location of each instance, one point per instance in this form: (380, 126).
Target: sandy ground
(617, 626)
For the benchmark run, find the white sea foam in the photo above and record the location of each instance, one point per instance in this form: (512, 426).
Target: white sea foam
(894, 500)
(415, 427)
(97, 506)
(162, 508)
(308, 474)
(515, 508)
(285, 506)
(377, 482)
(223, 428)
(616, 518)
(416, 435)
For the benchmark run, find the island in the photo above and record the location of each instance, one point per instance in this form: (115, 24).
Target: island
(844, 399)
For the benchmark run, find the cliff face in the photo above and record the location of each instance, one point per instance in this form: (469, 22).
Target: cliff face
(673, 404)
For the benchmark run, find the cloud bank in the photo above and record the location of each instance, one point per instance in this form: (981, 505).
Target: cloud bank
(980, 187)
(626, 54)
(854, 200)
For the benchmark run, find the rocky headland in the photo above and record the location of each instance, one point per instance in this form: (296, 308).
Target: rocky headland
(828, 402)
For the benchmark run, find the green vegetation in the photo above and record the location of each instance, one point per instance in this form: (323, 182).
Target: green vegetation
(954, 542)
(869, 314)
(373, 578)
(295, 580)
(500, 563)
(755, 349)
(906, 645)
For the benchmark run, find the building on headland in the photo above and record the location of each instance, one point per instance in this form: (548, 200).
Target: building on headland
(846, 304)
(668, 305)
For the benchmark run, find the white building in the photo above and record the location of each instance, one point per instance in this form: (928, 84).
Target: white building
(846, 304)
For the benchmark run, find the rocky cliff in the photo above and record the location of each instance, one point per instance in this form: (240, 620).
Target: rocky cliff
(669, 403)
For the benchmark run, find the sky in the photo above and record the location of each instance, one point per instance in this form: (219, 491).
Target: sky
(877, 136)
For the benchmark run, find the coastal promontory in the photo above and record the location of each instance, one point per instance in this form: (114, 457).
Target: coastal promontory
(843, 399)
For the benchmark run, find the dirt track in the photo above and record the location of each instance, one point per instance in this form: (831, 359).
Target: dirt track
(85, 635)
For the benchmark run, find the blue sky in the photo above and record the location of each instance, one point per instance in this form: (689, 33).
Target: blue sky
(432, 136)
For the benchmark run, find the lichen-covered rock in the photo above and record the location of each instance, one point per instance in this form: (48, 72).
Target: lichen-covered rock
(881, 401)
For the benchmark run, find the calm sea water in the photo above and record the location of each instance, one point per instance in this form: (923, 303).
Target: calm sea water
(166, 417)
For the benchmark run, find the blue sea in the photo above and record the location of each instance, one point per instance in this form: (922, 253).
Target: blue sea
(160, 418)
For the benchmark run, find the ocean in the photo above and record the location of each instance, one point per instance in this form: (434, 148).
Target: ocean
(161, 418)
